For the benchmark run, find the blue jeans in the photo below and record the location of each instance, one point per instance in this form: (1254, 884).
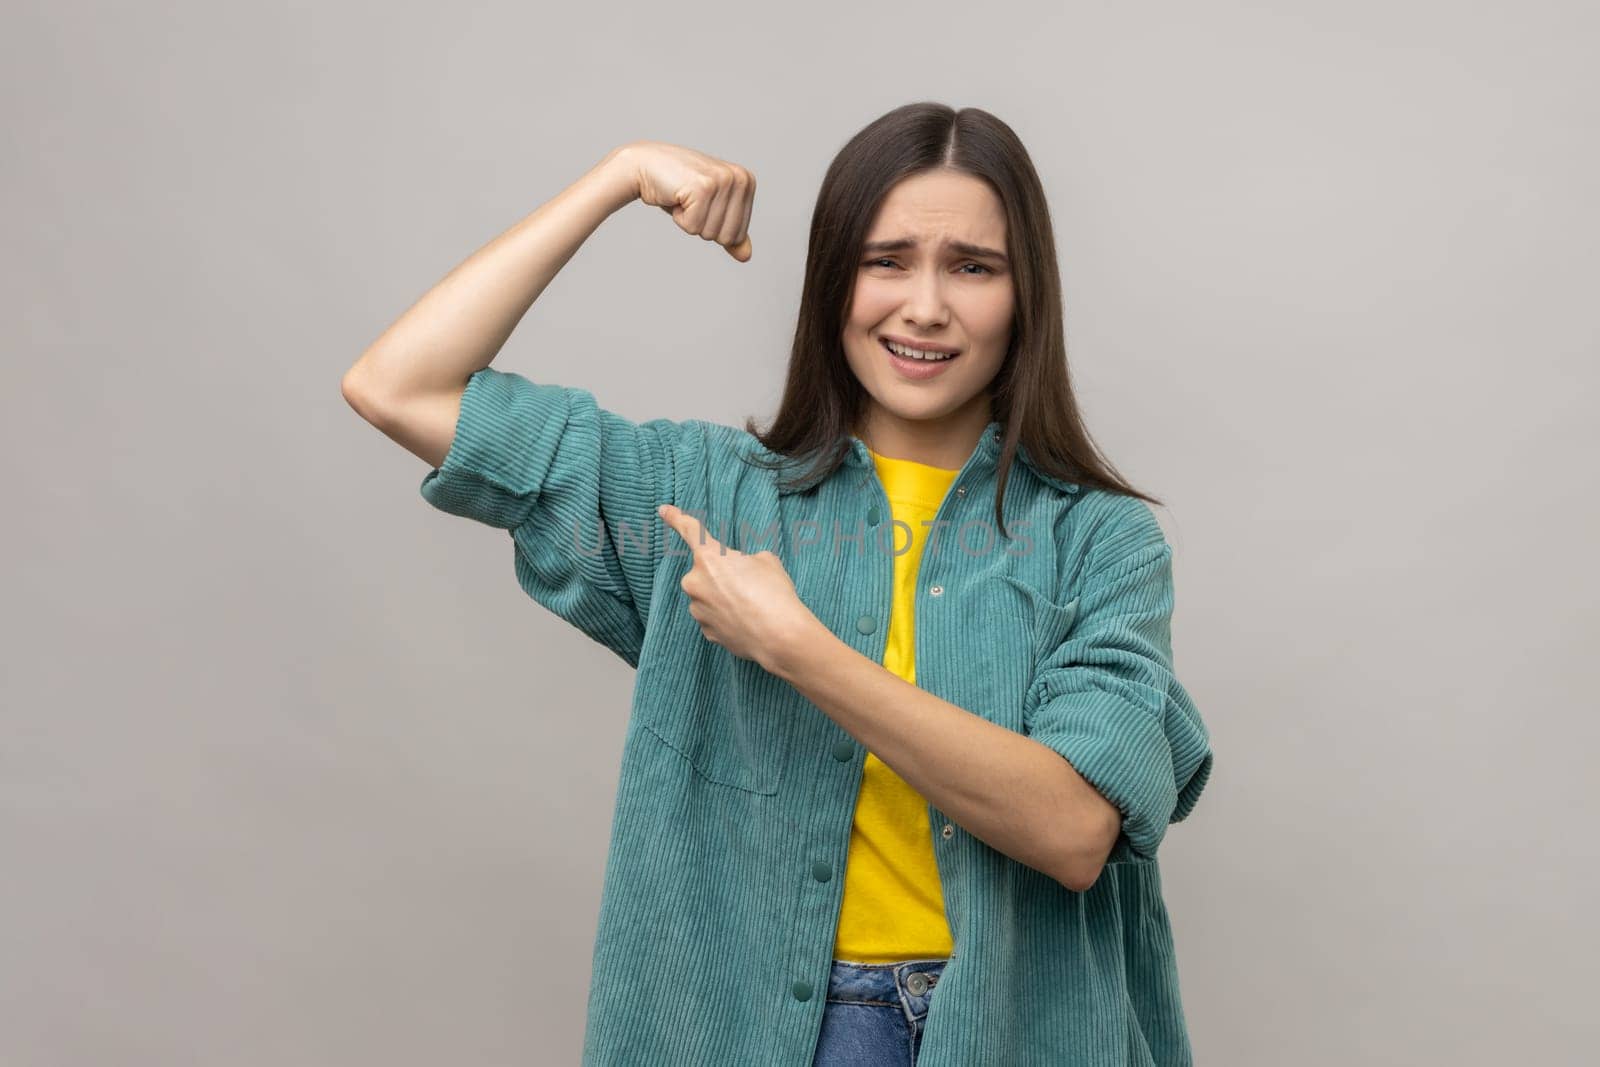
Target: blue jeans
(874, 1013)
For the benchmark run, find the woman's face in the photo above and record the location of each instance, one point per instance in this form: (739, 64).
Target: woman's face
(933, 271)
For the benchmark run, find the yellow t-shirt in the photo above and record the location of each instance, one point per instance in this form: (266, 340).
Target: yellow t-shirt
(893, 904)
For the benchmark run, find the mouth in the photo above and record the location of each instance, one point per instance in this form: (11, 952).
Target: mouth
(913, 354)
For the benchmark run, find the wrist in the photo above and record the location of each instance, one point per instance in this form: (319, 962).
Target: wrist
(791, 647)
(618, 175)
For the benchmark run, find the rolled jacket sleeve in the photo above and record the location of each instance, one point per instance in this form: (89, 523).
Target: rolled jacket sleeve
(577, 486)
(1107, 698)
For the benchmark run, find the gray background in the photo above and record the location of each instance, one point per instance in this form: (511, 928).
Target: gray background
(291, 772)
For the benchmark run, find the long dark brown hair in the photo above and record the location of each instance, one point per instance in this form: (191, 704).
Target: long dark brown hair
(1031, 396)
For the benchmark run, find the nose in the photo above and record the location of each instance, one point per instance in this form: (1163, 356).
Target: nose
(925, 304)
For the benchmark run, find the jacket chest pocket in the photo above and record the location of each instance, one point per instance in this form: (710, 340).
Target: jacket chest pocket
(727, 719)
(1021, 626)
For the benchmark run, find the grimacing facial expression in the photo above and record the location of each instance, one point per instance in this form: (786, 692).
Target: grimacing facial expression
(934, 272)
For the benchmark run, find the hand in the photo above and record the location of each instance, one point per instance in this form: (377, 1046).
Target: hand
(705, 196)
(744, 602)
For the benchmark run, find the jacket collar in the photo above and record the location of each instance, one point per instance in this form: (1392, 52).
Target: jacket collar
(985, 457)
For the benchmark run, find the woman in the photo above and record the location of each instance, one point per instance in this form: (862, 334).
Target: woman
(839, 839)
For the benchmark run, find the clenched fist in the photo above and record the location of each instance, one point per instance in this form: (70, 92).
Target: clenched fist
(706, 196)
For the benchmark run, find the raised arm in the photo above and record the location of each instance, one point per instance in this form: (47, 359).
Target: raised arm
(408, 383)
(575, 484)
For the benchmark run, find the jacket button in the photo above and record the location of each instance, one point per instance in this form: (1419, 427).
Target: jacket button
(874, 516)
(936, 590)
(946, 831)
(801, 990)
(843, 751)
(821, 871)
(961, 490)
(866, 624)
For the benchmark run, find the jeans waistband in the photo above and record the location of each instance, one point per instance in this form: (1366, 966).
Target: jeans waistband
(907, 984)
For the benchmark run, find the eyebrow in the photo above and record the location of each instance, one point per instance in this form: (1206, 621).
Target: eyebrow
(900, 244)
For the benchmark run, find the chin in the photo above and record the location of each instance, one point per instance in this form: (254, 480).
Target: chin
(922, 409)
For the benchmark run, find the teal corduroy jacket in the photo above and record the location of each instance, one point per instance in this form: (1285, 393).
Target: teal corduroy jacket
(734, 806)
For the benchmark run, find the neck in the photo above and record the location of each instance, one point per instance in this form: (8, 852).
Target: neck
(945, 442)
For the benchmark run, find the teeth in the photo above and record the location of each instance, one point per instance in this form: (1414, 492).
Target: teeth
(917, 353)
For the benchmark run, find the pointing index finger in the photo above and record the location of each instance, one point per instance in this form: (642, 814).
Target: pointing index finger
(689, 527)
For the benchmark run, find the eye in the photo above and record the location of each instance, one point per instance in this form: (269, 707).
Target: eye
(885, 259)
